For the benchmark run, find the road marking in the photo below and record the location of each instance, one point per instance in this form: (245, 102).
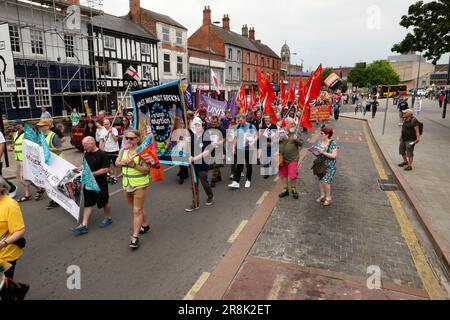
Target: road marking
(238, 231)
(197, 286)
(112, 194)
(295, 287)
(261, 200)
(429, 279)
(276, 288)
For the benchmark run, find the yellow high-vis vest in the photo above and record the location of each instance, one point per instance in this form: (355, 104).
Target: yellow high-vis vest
(131, 176)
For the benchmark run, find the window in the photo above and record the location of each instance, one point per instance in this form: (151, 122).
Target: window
(273, 64)
(230, 54)
(109, 42)
(147, 71)
(70, 46)
(42, 92)
(167, 63)
(14, 34)
(125, 98)
(179, 38)
(262, 62)
(248, 74)
(239, 56)
(37, 42)
(256, 60)
(230, 73)
(239, 74)
(201, 74)
(22, 93)
(113, 69)
(248, 57)
(166, 34)
(146, 48)
(179, 64)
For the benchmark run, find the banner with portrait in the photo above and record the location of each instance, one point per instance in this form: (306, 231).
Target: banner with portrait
(161, 111)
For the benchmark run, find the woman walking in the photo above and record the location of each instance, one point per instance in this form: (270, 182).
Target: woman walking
(135, 183)
(328, 153)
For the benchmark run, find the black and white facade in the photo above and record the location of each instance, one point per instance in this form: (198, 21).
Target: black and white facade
(118, 44)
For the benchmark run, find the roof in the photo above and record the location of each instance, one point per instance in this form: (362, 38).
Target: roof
(163, 18)
(299, 74)
(265, 49)
(235, 39)
(122, 25)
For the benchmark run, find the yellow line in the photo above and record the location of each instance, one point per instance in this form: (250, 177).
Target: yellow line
(261, 200)
(429, 279)
(296, 286)
(276, 288)
(197, 286)
(238, 231)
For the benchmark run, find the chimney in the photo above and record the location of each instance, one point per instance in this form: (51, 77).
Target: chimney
(245, 31)
(77, 2)
(251, 34)
(135, 10)
(226, 22)
(206, 16)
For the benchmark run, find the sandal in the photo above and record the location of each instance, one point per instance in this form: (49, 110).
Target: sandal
(327, 203)
(24, 199)
(320, 200)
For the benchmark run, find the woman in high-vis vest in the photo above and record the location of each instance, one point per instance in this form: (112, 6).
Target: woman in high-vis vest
(135, 184)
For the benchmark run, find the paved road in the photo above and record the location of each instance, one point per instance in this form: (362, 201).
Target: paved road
(172, 257)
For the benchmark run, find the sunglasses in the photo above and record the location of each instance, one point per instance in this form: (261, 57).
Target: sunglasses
(130, 138)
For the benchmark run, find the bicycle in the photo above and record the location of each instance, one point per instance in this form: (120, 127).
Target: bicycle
(359, 108)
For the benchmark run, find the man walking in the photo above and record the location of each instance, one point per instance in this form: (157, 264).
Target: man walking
(245, 139)
(409, 139)
(109, 142)
(98, 162)
(216, 134)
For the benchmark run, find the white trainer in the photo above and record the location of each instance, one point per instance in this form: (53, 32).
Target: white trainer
(248, 184)
(234, 185)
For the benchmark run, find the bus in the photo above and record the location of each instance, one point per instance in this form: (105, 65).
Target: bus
(392, 91)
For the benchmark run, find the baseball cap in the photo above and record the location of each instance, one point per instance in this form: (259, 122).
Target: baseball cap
(17, 122)
(44, 123)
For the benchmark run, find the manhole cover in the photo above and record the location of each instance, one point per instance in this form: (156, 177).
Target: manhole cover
(388, 185)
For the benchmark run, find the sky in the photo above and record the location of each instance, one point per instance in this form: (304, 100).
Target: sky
(332, 32)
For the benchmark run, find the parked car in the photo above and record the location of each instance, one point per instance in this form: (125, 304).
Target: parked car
(78, 132)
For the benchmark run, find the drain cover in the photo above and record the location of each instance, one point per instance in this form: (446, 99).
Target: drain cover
(388, 185)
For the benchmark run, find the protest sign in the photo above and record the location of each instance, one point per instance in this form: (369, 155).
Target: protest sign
(215, 107)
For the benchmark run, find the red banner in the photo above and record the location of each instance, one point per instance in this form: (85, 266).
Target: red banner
(320, 113)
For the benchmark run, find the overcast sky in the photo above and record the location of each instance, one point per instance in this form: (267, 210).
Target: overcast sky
(332, 32)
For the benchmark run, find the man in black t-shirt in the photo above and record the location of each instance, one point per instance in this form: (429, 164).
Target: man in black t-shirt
(409, 139)
(216, 134)
(98, 162)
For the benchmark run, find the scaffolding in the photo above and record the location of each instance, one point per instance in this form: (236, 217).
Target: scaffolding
(70, 49)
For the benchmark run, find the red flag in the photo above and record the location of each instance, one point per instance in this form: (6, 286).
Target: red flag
(263, 83)
(268, 109)
(301, 94)
(305, 120)
(312, 87)
(291, 93)
(150, 156)
(282, 95)
(252, 99)
(242, 99)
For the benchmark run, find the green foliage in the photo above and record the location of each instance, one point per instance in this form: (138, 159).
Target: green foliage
(358, 76)
(431, 29)
(344, 86)
(381, 72)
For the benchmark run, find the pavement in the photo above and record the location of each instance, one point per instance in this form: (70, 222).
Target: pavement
(295, 250)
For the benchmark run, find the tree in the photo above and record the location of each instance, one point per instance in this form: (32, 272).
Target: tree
(344, 86)
(358, 76)
(325, 74)
(381, 72)
(431, 29)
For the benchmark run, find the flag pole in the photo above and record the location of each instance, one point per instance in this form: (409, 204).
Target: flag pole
(191, 166)
(121, 104)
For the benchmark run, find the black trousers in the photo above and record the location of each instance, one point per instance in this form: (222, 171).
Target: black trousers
(374, 112)
(202, 177)
(184, 172)
(240, 167)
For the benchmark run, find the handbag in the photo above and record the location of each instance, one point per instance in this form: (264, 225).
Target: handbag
(21, 243)
(320, 165)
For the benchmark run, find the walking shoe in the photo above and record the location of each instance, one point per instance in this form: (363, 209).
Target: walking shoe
(81, 229)
(13, 191)
(52, 205)
(134, 244)
(408, 168)
(234, 185)
(21, 291)
(113, 181)
(403, 164)
(295, 193)
(210, 201)
(106, 223)
(145, 230)
(180, 181)
(266, 177)
(213, 184)
(192, 209)
(248, 184)
(285, 193)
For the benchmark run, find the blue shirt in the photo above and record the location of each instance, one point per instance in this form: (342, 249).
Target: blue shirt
(246, 135)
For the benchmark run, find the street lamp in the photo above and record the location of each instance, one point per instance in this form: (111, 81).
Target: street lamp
(209, 53)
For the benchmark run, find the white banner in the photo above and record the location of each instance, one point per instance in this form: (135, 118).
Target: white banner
(57, 178)
(7, 73)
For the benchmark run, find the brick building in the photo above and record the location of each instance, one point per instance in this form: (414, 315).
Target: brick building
(238, 54)
(172, 36)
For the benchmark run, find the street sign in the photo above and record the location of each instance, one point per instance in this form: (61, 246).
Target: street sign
(7, 73)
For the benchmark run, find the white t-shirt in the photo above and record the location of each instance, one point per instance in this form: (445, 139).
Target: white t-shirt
(2, 140)
(110, 144)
